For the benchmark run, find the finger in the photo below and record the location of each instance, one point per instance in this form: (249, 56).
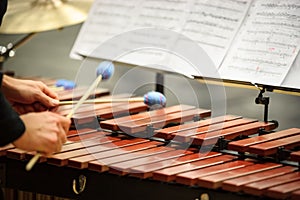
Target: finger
(53, 109)
(46, 90)
(47, 96)
(65, 122)
(47, 100)
(28, 108)
(19, 109)
(44, 150)
(55, 144)
(62, 135)
(38, 107)
(58, 146)
(63, 125)
(62, 121)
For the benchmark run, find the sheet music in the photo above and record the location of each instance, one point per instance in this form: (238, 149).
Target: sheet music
(214, 24)
(110, 18)
(106, 19)
(267, 45)
(209, 23)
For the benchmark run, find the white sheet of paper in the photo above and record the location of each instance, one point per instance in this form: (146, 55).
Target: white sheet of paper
(214, 24)
(210, 24)
(267, 45)
(108, 19)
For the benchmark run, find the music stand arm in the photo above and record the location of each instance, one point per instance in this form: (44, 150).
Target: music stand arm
(264, 101)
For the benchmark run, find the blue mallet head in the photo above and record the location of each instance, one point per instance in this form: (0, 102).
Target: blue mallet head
(155, 98)
(106, 69)
(67, 84)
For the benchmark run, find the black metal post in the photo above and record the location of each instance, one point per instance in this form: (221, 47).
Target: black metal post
(159, 83)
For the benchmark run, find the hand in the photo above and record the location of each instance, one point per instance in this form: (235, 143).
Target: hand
(31, 95)
(45, 132)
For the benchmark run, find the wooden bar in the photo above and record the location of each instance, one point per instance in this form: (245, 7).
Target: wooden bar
(87, 136)
(75, 133)
(105, 144)
(259, 188)
(15, 153)
(108, 113)
(236, 184)
(186, 136)
(104, 164)
(231, 133)
(283, 191)
(191, 177)
(161, 121)
(295, 156)
(167, 133)
(113, 123)
(215, 181)
(243, 145)
(169, 174)
(4, 149)
(137, 155)
(125, 167)
(147, 115)
(81, 162)
(146, 171)
(74, 136)
(271, 147)
(86, 140)
(61, 159)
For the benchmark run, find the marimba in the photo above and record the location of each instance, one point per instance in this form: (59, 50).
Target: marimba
(177, 152)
